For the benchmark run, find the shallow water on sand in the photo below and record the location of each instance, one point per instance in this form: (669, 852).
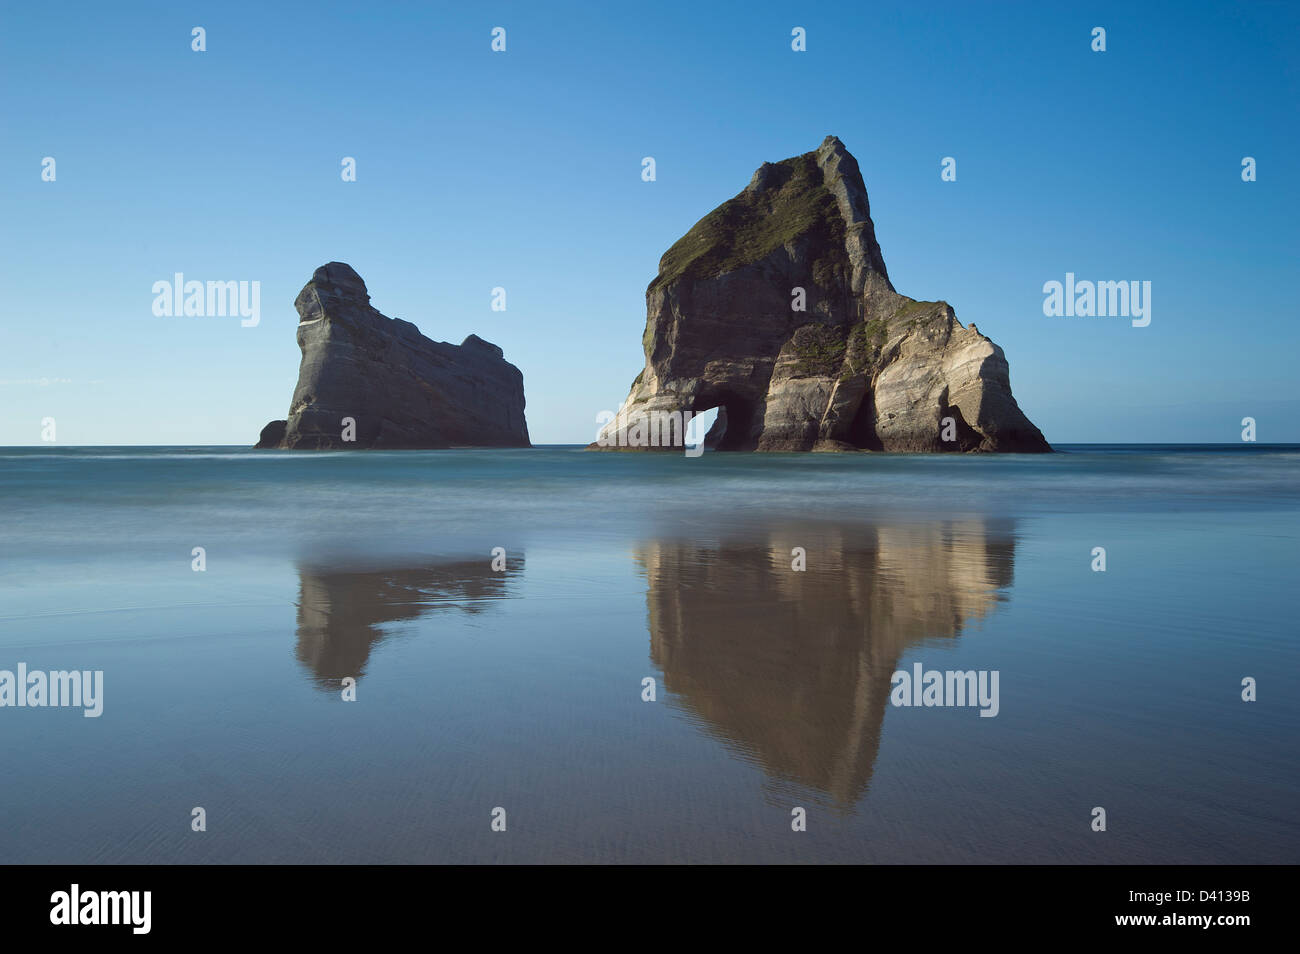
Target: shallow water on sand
(521, 687)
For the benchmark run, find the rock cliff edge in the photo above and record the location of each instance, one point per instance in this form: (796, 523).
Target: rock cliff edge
(397, 387)
(860, 367)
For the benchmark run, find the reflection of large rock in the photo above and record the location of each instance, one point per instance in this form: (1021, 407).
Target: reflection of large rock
(793, 668)
(402, 389)
(861, 367)
(341, 614)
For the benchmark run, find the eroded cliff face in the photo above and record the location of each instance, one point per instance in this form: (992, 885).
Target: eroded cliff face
(400, 388)
(860, 368)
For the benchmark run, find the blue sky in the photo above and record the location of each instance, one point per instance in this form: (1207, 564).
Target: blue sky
(522, 170)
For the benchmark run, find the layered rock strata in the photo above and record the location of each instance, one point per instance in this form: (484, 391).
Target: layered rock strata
(776, 308)
(370, 381)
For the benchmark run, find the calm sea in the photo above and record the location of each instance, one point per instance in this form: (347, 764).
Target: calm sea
(504, 616)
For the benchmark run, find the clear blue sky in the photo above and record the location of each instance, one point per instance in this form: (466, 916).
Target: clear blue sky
(479, 169)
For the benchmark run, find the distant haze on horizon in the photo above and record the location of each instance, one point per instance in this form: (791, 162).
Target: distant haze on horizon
(522, 170)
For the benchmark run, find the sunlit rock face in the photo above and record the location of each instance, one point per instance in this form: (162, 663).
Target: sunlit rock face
(777, 309)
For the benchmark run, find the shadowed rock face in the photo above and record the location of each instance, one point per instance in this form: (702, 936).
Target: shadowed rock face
(402, 389)
(862, 367)
(792, 669)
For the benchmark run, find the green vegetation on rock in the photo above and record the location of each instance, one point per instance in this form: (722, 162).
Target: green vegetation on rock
(865, 341)
(793, 202)
(818, 351)
(914, 310)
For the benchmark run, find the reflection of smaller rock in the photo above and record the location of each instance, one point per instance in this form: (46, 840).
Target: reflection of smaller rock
(341, 614)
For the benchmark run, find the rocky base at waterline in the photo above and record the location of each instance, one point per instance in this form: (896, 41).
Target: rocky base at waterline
(397, 388)
(776, 308)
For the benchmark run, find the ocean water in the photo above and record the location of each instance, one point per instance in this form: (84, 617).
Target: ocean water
(520, 686)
